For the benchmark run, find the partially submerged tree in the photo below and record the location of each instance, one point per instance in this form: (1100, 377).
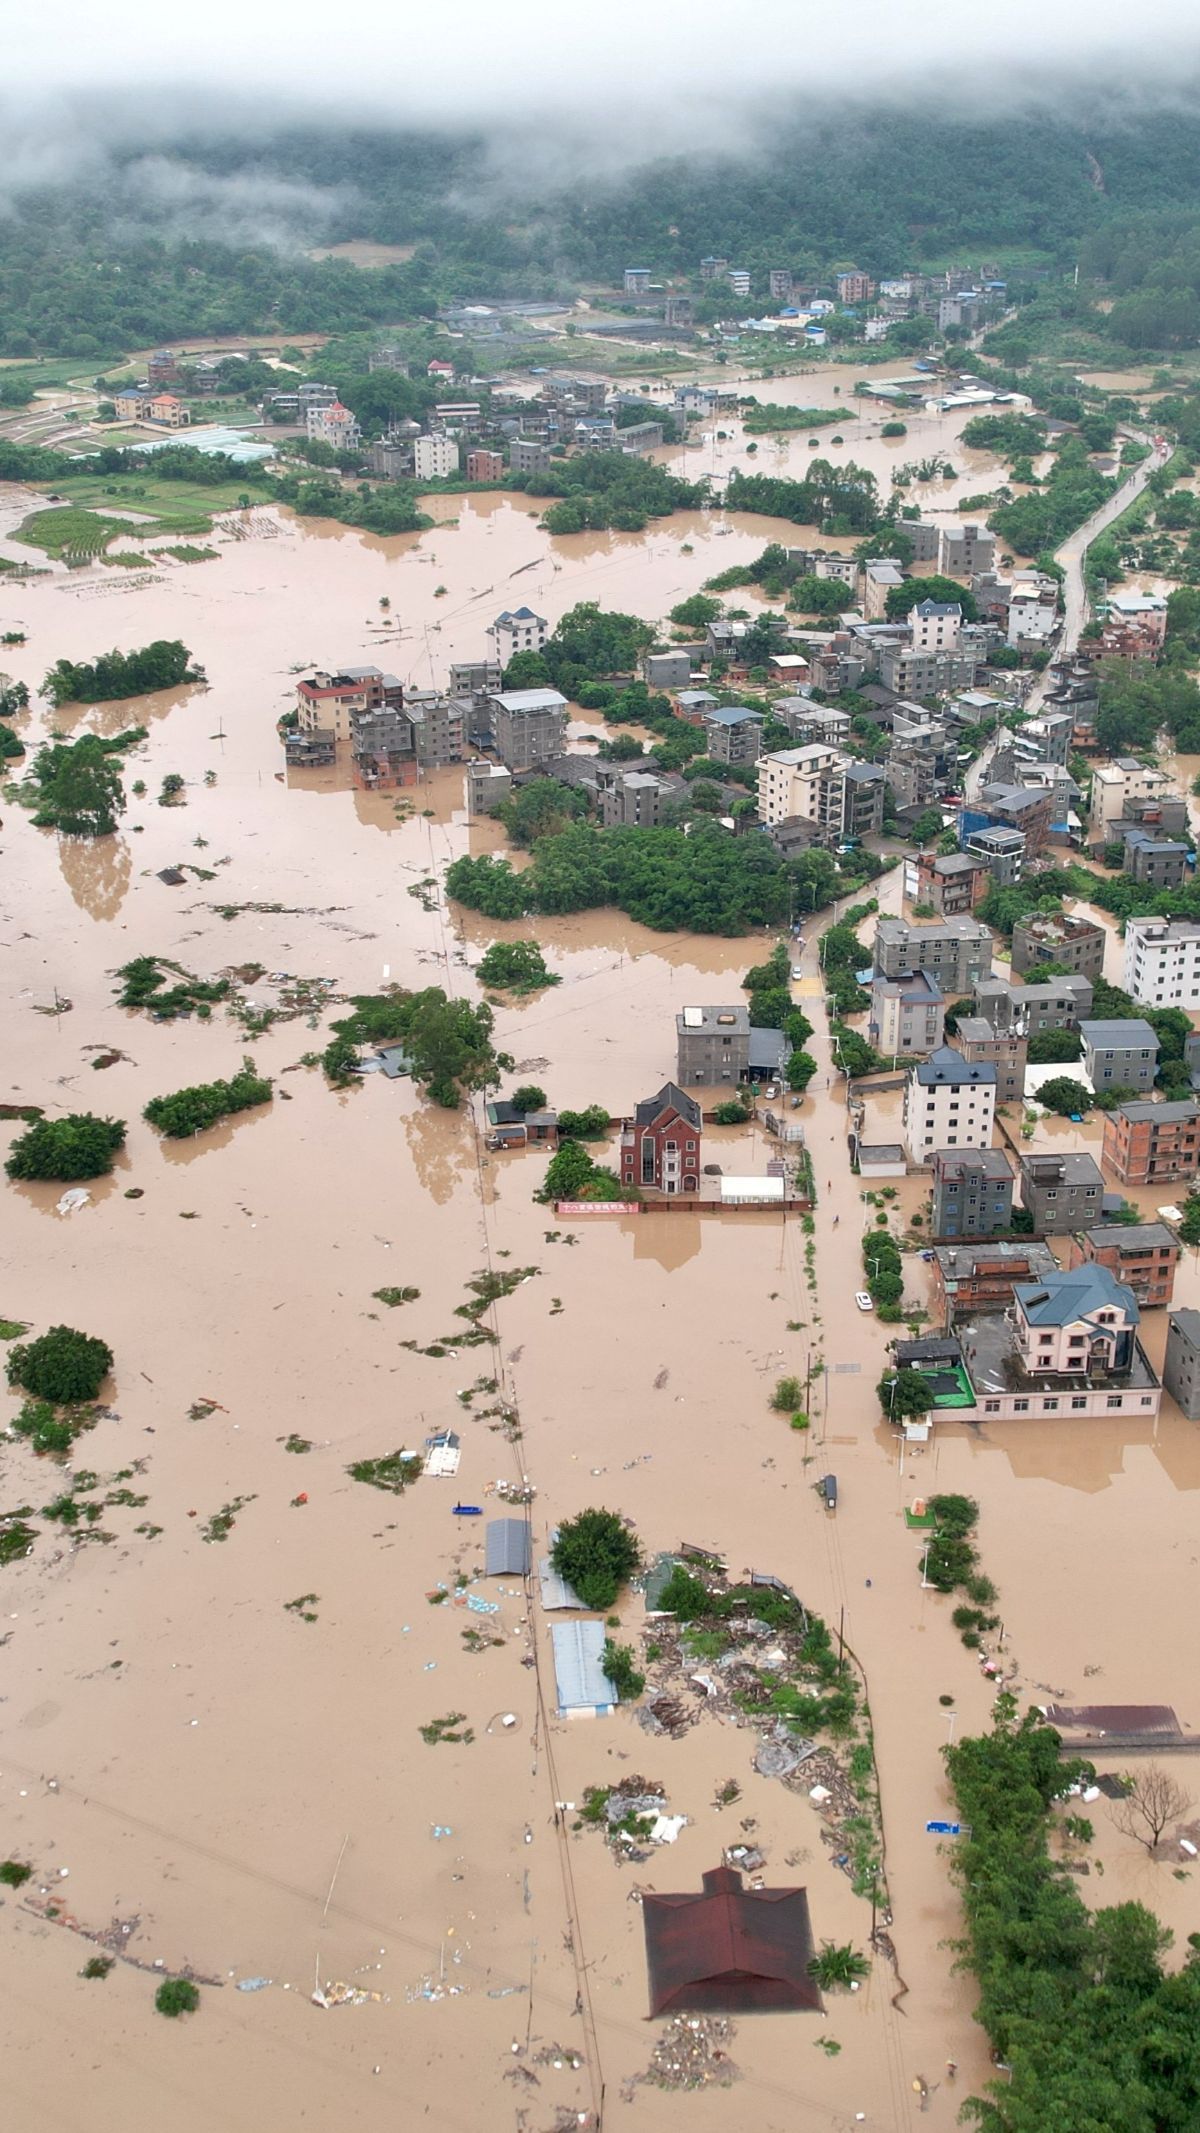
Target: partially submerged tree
(78, 1146)
(595, 1553)
(1152, 1799)
(62, 1366)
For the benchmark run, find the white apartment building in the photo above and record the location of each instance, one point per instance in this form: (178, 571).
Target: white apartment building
(1162, 962)
(435, 458)
(333, 425)
(802, 781)
(949, 1102)
(518, 631)
(1115, 785)
(936, 625)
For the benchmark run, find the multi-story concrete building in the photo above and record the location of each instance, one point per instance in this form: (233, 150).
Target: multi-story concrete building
(780, 283)
(908, 1015)
(948, 1104)
(910, 672)
(666, 670)
(677, 311)
(1181, 1369)
(854, 287)
(936, 625)
(1067, 1346)
(484, 465)
(1152, 861)
(1000, 850)
(1162, 962)
(1153, 1144)
(1143, 1255)
(329, 703)
(712, 1045)
(821, 785)
(517, 630)
(1061, 1192)
(953, 882)
(1008, 1051)
(528, 455)
(1052, 937)
(471, 677)
(1119, 1055)
(955, 951)
(1027, 808)
(1116, 785)
(808, 721)
(972, 1192)
(528, 725)
(486, 784)
(733, 734)
(637, 281)
(392, 744)
(435, 458)
(333, 425)
(633, 799)
(1052, 1003)
(964, 551)
(971, 1277)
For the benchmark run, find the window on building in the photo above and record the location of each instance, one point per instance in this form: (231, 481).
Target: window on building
(991, 1407)
(1079, 1402)
(1020, 1407)
(1113, 1400)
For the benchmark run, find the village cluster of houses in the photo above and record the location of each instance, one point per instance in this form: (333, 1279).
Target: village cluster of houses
(960, 298)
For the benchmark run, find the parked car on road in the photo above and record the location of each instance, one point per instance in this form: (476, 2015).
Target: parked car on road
(863, 1300)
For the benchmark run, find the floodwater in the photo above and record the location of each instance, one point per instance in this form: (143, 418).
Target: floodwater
(248, 1791)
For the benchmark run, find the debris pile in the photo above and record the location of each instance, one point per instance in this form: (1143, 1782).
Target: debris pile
(692, 2053)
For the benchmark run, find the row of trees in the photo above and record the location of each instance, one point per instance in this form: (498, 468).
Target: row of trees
(1094, 2033)
(704, 882)
(113, 675)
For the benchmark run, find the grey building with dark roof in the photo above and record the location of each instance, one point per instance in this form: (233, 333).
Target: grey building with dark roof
(972, 1192)
(1181, 1367)
(1119, 1055)
(1061, 1192)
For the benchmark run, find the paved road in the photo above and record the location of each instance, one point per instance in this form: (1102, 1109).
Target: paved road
(1072, 551)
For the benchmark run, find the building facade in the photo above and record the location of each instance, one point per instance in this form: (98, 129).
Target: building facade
(972, 1192)
(1008, 1051)
(908, 1015)
(660, 1144)
(948, 1104)
(1143, 1255)
(1153, 1144)
(1162, 962)
(1061, 1193)
(1078, 943)
(957, 952)
(528, 726)
(712, 1046)
(1119, 1055)
(1181, 1369)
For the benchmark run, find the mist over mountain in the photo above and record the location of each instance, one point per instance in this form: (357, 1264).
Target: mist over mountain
(127, 217)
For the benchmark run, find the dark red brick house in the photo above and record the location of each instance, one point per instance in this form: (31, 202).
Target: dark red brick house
(660, 1144)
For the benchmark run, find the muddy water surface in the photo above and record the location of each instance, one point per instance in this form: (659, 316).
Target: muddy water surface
(247, 1791)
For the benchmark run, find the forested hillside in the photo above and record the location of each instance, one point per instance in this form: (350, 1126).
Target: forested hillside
(116, 262)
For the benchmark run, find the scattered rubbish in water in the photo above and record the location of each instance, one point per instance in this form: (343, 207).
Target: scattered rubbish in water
(75, 1198)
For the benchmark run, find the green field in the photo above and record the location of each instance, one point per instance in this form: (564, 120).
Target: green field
(84, 526)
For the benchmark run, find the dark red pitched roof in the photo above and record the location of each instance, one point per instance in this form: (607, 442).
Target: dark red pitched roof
(729, 1949)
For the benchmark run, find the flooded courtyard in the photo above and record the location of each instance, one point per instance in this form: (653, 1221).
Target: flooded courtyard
(203, 1776)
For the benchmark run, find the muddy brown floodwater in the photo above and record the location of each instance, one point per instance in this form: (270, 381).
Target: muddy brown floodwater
(208, 1779)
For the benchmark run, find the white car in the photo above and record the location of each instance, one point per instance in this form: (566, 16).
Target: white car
(863, 1300)
(797, 973)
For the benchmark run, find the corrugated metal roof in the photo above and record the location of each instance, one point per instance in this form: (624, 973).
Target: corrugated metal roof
(556, 1593)
(579, 1673)
(508, 1553)
(728, 1949)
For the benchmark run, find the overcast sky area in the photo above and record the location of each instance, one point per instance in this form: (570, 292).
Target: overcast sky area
(690, 63)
